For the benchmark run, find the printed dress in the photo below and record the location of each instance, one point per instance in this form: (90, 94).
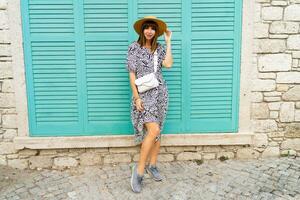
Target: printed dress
(155, 101)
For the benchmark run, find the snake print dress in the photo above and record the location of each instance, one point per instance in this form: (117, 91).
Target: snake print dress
(155, 101)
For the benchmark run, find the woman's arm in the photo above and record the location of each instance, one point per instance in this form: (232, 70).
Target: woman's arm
(137, 100)
(134, 90)
(168, 61)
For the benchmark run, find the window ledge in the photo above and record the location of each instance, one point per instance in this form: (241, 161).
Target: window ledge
(128, 140)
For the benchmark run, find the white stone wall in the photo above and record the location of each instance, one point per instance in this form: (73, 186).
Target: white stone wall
(276, 83)
(275, 100)
(8, 127)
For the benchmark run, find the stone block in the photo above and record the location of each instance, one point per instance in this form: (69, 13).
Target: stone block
(282, 87)
(117, 158)
(269, 46)
(8, 85)
(263, 85)
(272, 94)
(292, 130)
(288, 77)
(246, 153)
(40, 162)
(274, 114)
(277, 134)
(3, 160)
(267, 75)
(292, 94)
(48, 152)
(5, 50)
(293, 144)
(7, 100)
(297, 115)
(3, 4)
(165, 157)
(90, 159)
(267, 125)
(7, 148)
(4, 36)
(287, 112)
(272, 99)
(279, 27)
(296, 54)
(270, 152)
(279, 3)
(25, 153)
(18, 163)
(293, 42)
(260, 140)
(274, 62)
(9, 121)
(261, 30)
(211, 148)
(6, 71)
(292, 13)
(3, 20)
(272, 13)
(10, 134)
(65, 162)
(189, 156)
(209, 156)
(260, 110)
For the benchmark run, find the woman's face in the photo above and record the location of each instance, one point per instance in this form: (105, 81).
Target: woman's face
(149, 33)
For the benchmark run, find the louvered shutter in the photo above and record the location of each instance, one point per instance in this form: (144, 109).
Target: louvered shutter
(107, 82)
(215, 41)
(51, 67)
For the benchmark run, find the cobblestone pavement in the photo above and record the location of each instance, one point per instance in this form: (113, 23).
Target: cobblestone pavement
(277, 178)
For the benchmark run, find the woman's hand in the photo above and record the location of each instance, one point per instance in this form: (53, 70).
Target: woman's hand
(168, 35)
(139, 104)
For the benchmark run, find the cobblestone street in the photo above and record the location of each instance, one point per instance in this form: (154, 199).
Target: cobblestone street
(277, 178)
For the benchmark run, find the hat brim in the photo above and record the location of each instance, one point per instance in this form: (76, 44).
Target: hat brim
(162, 26)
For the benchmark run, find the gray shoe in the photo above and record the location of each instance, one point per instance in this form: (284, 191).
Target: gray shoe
(136, 180)
(153, 171)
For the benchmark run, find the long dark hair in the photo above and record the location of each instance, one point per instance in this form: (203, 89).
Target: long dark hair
(142, 38)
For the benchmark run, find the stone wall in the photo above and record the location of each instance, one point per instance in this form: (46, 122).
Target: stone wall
(276, 82)
(8, 126)
(275, 110)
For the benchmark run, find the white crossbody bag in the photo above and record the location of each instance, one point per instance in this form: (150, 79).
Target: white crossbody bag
(148, 81)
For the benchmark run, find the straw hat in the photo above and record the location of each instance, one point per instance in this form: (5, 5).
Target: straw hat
(162, 26)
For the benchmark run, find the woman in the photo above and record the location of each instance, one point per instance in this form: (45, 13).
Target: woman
(148, 109)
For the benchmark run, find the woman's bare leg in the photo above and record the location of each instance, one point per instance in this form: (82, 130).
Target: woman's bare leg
(153, 131)
(154, 153)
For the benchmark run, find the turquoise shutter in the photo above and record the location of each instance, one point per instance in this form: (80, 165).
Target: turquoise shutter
(214, 71)
(51, 67)
(106, 43)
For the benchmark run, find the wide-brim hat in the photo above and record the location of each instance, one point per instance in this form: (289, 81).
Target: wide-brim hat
(162, 26)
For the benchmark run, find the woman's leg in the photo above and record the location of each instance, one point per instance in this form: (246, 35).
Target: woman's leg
(153, 131)
(154, 153)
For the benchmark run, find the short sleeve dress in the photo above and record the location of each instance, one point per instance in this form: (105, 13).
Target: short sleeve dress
(155, 101)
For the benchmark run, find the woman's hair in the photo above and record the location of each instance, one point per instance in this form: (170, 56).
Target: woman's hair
(142, 38)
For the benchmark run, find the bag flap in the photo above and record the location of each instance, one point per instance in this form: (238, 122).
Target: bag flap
(144, 79)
